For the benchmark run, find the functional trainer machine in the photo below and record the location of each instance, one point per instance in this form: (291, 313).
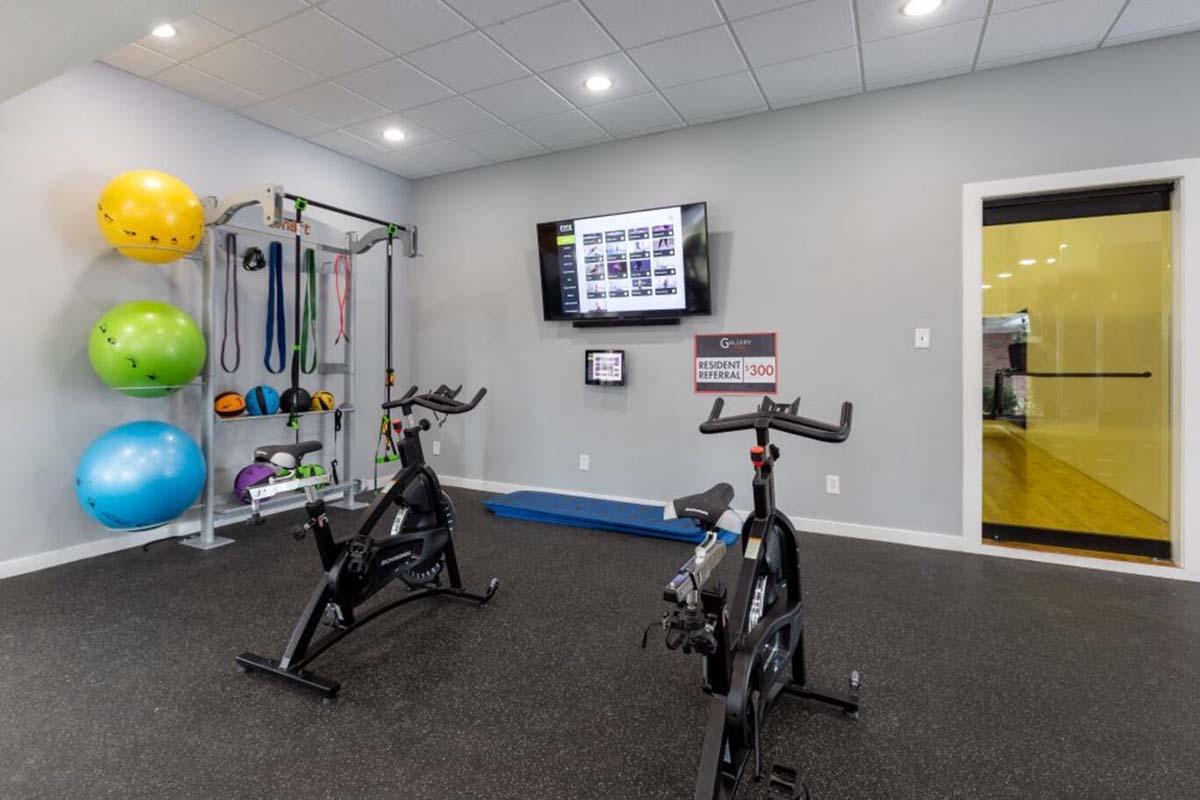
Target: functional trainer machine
(753, 648)
(417, 550)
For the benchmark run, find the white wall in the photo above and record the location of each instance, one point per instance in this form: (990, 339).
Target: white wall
(838, 224)
(59, 144)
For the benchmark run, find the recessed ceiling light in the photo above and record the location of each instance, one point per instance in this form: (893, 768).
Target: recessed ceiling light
(1062, 247)
(164, 31)
(394, 135)
(1003, 275)
(919, 8)
(598, 83)
(1051, 260)
(1027, 262)
(986, 286)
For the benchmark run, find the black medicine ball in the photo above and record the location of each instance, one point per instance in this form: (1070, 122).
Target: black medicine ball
(295, 400)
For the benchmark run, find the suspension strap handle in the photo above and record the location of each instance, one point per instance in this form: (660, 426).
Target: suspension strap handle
(231, 283)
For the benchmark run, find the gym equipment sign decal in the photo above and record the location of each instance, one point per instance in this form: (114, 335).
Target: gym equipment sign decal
(735, 363)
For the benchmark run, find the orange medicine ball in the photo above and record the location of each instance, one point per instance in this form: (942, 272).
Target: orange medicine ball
(229, 404)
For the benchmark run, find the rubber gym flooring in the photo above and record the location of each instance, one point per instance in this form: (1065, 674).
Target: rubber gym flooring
(984, 678)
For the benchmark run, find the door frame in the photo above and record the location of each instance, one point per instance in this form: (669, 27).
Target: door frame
(1185, 361)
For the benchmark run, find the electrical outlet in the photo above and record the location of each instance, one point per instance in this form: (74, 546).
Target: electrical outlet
(585, 462)
(921, 338)
(437, 448)
(833, 484)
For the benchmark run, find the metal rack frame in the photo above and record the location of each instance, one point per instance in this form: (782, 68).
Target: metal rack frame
(219, 215)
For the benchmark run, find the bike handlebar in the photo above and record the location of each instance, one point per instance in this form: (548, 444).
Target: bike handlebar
(440, 400)
(781, 417)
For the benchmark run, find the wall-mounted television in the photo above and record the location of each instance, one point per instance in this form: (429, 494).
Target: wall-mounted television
(649, 265)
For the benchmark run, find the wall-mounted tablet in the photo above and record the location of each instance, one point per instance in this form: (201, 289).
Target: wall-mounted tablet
(604, 368)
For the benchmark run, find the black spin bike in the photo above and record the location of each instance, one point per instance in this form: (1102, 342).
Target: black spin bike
(753, 648)
(417, 550)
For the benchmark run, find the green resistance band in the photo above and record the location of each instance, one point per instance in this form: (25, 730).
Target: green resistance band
(308, 318)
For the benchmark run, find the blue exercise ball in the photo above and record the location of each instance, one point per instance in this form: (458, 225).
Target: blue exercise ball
(139, 475)
(262, 400)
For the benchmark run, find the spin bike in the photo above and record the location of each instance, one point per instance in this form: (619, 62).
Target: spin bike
(417, 550)
(753, 649)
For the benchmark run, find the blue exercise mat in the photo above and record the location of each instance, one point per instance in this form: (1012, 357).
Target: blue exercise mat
(606, 515)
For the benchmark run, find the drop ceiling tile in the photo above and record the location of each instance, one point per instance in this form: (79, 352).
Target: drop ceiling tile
(486, 12)
(445, 156)
(466, 63)
(285, 119)
(399, 25)
(562, 131)
(333, 105)
(193, 36)
(404, 167)
(880, 20)
(137, 60)
(632, 115)
(348, 144)
(810, 79)
(818, 26)
(715, 98)
(372, 130)
(736, 9)
(690, 58)
(635, 22)
(1144, 19)
(518, 100)
(1047, 30)
(501, 144)
(627, 80)
(205, 87)
(245, 64)
(561, 34)
(394, 84)
(320, 43)
(242, 17)
(1004, 6)
(453, 117)
(937, 52)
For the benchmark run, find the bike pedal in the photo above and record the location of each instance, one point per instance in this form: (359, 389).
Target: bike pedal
(785, 784)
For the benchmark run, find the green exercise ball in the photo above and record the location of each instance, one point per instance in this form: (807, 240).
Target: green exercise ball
(146, 348)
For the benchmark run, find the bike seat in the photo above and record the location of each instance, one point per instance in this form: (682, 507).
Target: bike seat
(710, 509)
(287, 456)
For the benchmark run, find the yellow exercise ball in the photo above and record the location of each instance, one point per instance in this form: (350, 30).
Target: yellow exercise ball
(150, 216)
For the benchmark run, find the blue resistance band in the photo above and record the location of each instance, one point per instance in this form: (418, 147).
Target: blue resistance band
(276, 322)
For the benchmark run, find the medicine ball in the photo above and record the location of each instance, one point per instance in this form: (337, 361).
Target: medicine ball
(229, 404)
(256, 474)
(323, 401)
(262, 400)
(295, 399)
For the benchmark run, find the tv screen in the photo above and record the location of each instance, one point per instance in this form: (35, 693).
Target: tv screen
(650, 263)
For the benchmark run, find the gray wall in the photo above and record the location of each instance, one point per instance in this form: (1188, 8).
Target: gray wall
(838, 224)
(59, 144)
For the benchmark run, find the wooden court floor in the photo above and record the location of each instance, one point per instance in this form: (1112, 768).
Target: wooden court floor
(1025, 485)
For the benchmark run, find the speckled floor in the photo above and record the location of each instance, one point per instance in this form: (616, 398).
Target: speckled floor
(985, 678)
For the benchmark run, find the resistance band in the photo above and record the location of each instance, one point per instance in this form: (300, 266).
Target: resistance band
(276, 321)
(341, 283)
(308, 328)
(231, 273)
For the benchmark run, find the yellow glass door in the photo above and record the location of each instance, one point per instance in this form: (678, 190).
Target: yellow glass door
(1077, 383)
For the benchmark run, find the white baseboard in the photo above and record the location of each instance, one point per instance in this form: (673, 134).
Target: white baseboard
(874, 533)
(95, 547)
